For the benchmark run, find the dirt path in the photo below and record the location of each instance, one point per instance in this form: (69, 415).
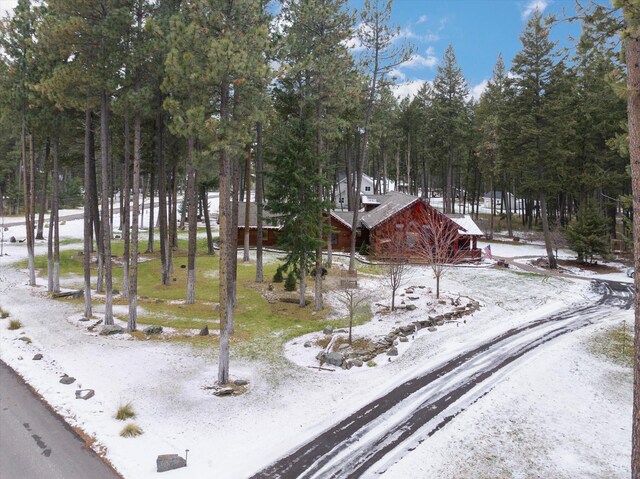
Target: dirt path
(382, 432)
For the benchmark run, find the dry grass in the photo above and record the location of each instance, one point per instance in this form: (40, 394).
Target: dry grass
(125, 412)
(14, 324)
(131, 430)
(616, 344)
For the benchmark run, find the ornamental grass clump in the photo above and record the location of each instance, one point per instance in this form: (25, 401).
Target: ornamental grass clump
(125, 412)
(131, 430)
(14, 324)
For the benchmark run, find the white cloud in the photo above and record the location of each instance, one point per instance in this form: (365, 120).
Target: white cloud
(422, 19)
(407, 89)
(417, 61)
(534, 5)
(409, 34)
(477, 90)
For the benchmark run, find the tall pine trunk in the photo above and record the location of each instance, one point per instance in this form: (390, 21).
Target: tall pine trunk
(87, 215)
(192, 205)
(633, 113)
(259, 201)
(132, 324)
(226, 304)
(204, 198)
(124, 210)
(152, 200)
(54, 232)
(105, 168)
(247, 216)
(42, 206)
(162, 202)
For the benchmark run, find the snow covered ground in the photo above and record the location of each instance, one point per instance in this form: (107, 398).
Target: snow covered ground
(559, 412)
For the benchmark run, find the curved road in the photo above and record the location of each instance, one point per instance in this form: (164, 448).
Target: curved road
(379, 434)
(35, 443)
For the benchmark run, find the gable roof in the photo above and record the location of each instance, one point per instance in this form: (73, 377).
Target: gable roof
(253, 217)
(345, 217)
(390, 204)
(468, 227)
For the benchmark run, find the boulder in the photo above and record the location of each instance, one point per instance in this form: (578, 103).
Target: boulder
(411, 307)
(432, 329)
(37, 357)
(392, 352)
(357, 363)
(85, 394)
(168, 462)
(223, 392)
(109, 329)
(155, 329)
(12, 239)
(333, 358)
(204, 331)
(403, 339)
(307, 344)
(344, 346)
(67, 380)
(240, 382)
(327, 330)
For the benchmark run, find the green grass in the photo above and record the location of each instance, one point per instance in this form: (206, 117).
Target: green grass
(14, 324)
(125, 412)
(131, 430)
(261, 328)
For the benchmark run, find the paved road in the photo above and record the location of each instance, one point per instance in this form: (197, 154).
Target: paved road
(37, 444)
(372, 439)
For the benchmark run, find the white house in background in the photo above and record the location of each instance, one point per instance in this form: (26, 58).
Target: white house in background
(487, 197)
(366, 189)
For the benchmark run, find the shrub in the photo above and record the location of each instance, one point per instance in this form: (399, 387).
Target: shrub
(290, 283)
(125, 412)
(371, 363)
(3, 314)
(14, 324)
(278, 278)
(131, 430)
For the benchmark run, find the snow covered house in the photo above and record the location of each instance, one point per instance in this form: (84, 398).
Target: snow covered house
(393, 217)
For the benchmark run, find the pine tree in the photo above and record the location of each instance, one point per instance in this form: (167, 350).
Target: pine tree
(450, 92)
(533, 69)
(589, 234)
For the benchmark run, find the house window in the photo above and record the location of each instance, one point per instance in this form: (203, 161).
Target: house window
(334, 239)
(341, 200)
(367, 188)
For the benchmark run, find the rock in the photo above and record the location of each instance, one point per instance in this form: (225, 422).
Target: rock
(432, 329)
(357, 363)
(154, 329)
(37, 357)
(411, 307)
(204, 331)
(168, 462)
(403, 339)
(339, 330)
(115, 292)
(342, 347)
(25, 339)
(408, 291)
(67, 380)
(328, 330)
(240, 382)
(392, 352)
(85, 394)
(223, 392)
(12, 239)
(413, 298)
(334, 358)
(109, 329)
(307, 344)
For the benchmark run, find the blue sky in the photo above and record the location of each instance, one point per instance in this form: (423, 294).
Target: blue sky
(477, 29)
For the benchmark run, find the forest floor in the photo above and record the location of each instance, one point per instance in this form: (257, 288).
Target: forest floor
(564, 411)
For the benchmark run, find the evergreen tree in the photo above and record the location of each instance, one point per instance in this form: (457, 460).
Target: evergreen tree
(589, 234)
(450, 92)
(533, 116)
